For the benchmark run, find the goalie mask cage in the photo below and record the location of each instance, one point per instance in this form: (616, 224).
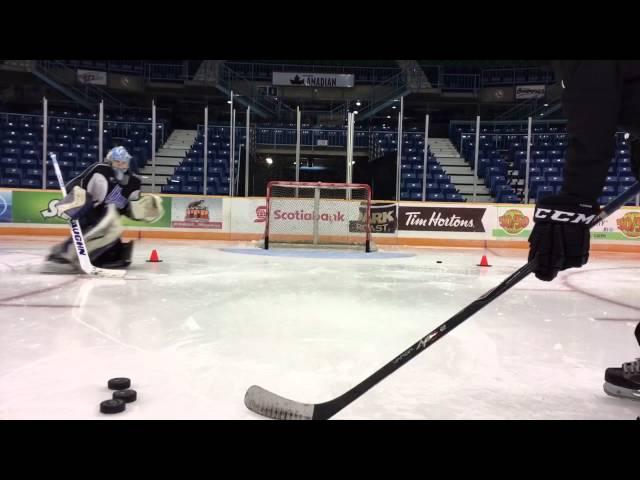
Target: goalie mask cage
(318, 214)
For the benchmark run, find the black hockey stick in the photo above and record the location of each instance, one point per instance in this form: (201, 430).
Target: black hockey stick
(271, 405)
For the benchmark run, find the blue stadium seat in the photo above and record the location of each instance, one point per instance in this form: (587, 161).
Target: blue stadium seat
(535, 183)
(28, 162)
(550, 172)
(543, 191)
(8, 161)
(611, 181)
(170, 188)
(626, 181)
(454, 197)
(448, 188)
(189, 189)
(33, 173)
(10, 182)
(555, 183)
(603, 200)
(31, 183)
(510, 199)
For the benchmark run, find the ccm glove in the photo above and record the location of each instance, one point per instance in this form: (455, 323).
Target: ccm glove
(560, 236)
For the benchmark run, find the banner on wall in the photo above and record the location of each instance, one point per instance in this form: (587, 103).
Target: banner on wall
(383, 219)
(527, 92)
(621, 225)
(5, 207)
(41, 207)
(36, 207)
(92, 77)
(441, 219)
(513, 222)
(197, 213)
(316, 80)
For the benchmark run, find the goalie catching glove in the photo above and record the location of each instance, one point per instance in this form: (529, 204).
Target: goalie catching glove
(148, 208)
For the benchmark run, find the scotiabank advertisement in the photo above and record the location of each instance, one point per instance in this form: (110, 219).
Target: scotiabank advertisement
(334, 216)
(249, 215)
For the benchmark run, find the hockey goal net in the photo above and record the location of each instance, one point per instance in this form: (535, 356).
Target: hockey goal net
(318, 214)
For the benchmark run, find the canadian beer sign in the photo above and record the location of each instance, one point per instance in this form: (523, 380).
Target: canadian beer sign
(440, 219)
(315, 80)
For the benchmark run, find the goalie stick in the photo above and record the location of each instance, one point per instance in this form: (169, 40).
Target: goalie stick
(268, 404)
(78, 239)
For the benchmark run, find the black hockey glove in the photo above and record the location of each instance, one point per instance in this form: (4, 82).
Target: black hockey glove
(560, 236)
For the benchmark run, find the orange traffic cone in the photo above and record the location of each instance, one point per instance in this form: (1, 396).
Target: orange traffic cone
(154, 257)
(484, 262)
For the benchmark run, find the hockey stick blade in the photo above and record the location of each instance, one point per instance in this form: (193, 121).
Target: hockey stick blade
(268, 404)
(78, 239)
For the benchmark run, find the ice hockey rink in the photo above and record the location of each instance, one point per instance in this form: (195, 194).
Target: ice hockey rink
(195, 331)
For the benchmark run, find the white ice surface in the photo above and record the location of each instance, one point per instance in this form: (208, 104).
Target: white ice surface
(194, 332)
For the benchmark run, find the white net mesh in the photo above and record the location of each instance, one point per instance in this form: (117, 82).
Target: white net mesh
(318, 214)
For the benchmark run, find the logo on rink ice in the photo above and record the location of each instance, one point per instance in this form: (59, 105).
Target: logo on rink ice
(629, 224)
(513, 221)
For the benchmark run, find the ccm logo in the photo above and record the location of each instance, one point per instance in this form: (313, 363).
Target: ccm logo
(562, 216)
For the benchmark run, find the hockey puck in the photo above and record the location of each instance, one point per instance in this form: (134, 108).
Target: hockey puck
(438, 261)
(127, 396)
(119, 383)
(112, 406)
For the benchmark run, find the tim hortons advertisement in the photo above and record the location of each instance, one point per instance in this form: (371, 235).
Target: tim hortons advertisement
(197, 213)
(440, 219)
(383, 219)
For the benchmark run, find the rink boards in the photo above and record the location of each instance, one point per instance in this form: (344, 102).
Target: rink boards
(32, 212)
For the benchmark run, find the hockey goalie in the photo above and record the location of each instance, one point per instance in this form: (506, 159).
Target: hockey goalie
(97, 199)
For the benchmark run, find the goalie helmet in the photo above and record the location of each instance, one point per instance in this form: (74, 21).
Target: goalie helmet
(119, 159)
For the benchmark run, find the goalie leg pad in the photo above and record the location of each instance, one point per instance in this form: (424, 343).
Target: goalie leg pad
(117, 255)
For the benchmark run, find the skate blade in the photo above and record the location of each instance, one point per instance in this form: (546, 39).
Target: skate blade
(621, 392)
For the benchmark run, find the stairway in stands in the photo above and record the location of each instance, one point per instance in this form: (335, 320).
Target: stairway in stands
(459, 170)
(168, 158)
